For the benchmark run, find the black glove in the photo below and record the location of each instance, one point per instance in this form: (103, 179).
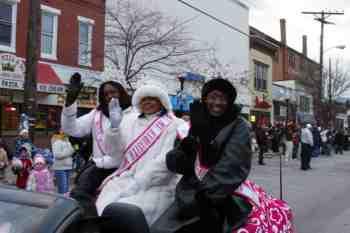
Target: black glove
(199, 120)
(74, 88)
(211, 155)
(189, 145)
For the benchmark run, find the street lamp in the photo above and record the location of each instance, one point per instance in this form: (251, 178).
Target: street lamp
(335, 47)
(342, 47)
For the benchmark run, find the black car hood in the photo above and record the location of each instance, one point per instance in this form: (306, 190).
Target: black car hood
(24, 211)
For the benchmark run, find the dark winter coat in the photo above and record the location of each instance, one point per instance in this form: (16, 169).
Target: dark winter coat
(339, 138)
(317, 137)
(261, 137)
(233, 146)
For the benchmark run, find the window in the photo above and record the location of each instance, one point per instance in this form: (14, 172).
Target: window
(8, 17)
(261, 72)
(9, 119)
(49, 30)
(291, 60)
(304, 104)
(85, 40)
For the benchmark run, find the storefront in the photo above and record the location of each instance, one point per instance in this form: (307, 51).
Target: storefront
(260, 114)
(50, 96)
(341, 121)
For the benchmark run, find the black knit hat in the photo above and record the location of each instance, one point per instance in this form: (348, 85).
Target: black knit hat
(221, 85)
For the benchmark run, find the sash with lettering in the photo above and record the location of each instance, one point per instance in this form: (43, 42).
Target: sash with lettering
(99, 135)
(243, 190)
(139, 147)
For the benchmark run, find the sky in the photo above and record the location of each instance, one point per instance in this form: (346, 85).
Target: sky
(266, 14)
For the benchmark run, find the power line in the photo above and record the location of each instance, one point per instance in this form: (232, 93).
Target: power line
(214, 18)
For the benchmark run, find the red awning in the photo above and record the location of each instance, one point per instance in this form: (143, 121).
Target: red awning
(48, 81)
(46, 75)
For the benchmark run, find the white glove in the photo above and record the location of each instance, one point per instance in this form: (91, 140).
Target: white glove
(99, 162)
(115, 113)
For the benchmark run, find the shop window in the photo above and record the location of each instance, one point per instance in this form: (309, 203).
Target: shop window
(8, 16)
(85, 40)
(305, 104)
(48, 118)
(261, 73)
(261, 118)
(49, 30)
(9, 117)
(291, 60)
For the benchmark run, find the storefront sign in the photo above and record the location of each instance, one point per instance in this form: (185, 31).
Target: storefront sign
(12, 71)
(11, 84)
(11, 67)
(86, 99)
(48, 88)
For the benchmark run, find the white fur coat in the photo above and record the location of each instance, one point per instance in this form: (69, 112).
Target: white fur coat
(148, 184)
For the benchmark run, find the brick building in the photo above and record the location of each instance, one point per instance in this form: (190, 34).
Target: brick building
(262, 55)
(72, 40)
(299, 75)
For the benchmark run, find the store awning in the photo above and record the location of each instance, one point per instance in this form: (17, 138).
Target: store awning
(48, 81)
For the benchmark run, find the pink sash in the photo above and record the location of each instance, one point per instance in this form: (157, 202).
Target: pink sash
(243, 190)
(99, 136)
(139, 147)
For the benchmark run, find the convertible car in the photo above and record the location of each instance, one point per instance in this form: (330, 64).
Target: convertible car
(28, 212)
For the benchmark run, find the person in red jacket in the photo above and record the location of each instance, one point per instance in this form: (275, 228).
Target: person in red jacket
(23, 166)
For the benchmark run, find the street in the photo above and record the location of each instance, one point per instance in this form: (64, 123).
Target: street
(319, 197)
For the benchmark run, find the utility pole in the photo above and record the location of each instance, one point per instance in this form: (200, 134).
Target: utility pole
(321, 16)
(284, 48)
(32, 57)
(330, 92)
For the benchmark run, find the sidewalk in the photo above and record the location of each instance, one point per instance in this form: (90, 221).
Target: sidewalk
(319, 197)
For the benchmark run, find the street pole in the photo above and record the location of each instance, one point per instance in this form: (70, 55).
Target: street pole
(284, 48)
(321, 16)
(182, 81)
(321, 54)
(285, 134)
(330, 93)
(32, 57)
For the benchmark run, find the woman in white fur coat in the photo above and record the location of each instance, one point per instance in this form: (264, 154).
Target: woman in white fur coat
(142, 186)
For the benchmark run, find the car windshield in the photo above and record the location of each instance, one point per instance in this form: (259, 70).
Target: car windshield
(18, 218)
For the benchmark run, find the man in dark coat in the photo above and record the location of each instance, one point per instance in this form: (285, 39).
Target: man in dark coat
(261, 139)
(339, 142)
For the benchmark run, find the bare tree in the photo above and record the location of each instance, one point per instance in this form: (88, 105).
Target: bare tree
(339, 79)
(142, 41)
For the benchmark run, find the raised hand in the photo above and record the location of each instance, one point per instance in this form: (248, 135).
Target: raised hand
(74, 88)
(115, 113)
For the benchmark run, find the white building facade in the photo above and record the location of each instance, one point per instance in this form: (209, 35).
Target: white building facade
(231, 46)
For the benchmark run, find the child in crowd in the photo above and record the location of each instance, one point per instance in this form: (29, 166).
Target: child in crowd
(22, 166)
(3, 163)
(40, 178)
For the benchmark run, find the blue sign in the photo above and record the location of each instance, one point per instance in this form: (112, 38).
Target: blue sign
(193, 77)
(181, 102)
